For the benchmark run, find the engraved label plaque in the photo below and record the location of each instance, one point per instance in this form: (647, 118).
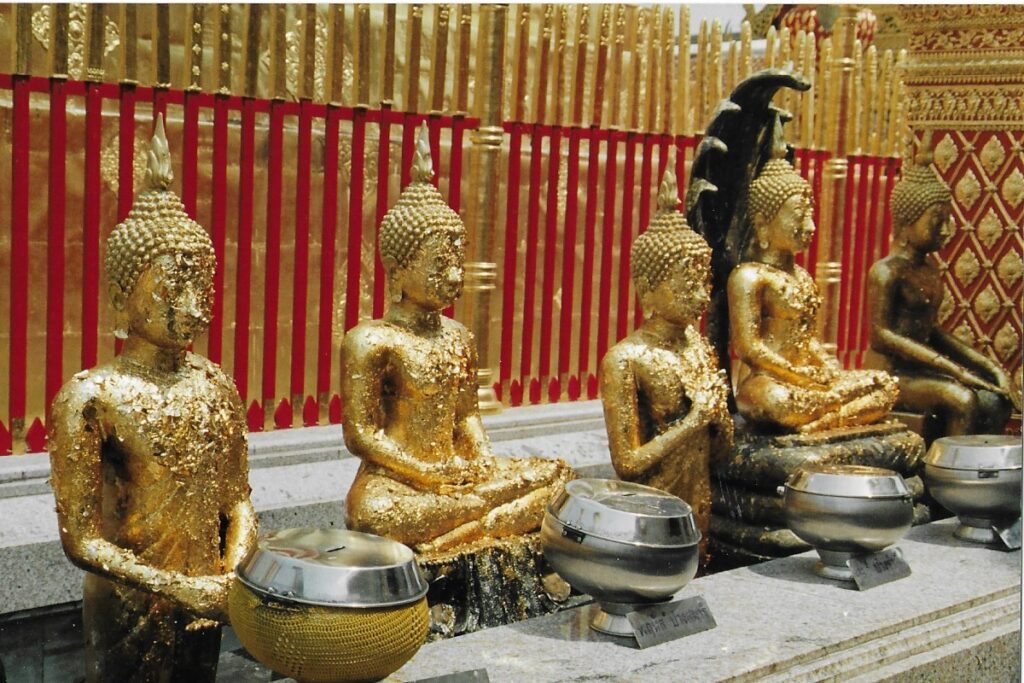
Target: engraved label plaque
(663, 622)
(874, 569)
(1009, 533)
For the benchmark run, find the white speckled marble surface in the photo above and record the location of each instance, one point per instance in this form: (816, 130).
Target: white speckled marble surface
(775, 620)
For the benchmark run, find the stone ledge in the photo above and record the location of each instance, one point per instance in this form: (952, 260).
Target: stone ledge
(779, 620)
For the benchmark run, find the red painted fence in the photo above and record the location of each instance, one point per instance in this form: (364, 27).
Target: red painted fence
(291, 193)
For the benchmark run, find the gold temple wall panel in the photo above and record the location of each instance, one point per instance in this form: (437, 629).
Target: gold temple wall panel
(594, 77)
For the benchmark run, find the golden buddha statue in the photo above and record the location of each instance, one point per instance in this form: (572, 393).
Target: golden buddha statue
(938, 374)
(428, 477)
(149, 457)
(665, 399)
(783, 376)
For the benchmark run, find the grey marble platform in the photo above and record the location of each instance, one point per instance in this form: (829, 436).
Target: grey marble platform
(299, 477)
(956, 618)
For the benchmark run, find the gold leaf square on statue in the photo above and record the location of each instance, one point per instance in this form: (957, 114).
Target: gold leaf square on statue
(966, 268)
(990, 228)
(964, 333)
(986, 304)
(1010, 269)
(993, 154)
(968, 189)
(945, 153)
(1007, 342)
(1013, 188)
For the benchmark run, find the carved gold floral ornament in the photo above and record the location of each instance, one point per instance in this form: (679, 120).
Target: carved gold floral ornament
(945, 153)
(1013, 188)
(1010, 268)
(968, 190)
(1006, 342)
(992, 156)
(966, 268)
(990, 229)
(986, 304)
(76, 35)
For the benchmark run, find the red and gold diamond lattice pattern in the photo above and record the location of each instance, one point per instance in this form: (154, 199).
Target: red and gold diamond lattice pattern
(982, 263)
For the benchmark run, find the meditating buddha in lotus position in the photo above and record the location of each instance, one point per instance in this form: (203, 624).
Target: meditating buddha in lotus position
(148, 456)
(665, 399)
(784, 377)
(428, 477)
(969, 392)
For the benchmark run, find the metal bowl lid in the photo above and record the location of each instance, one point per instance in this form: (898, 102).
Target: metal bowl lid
(849, 481)
(333, 567)
(976, 452)
(623, 511)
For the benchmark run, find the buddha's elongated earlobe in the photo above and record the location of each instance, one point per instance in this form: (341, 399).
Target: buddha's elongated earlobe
(394, 289)
(121, 324)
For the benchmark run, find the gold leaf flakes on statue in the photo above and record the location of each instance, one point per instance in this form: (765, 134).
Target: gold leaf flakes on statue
(783, 375)
(1010, 268)
(966, 268)
(665, 400)
(986, 304)
(993, 154)
(968, 189)
(990, 228)
(1013, 188)
(945, 153)
(148, 455)
(1007, 342)
(428, 477)
(77, 22)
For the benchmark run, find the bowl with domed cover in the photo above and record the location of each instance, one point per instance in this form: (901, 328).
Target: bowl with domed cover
(978, 479)
(329, 605)
(846, 510)
(626, 544)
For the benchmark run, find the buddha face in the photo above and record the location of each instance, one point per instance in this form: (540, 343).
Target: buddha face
(792, 227)
(434, 277)
(172, 301)
(683, 296)
(931, 229)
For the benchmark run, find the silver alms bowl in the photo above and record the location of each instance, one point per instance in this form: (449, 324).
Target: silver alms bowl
(977, 478)
(625, 544)
(846, 510)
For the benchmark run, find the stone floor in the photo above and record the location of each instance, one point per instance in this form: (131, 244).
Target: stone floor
(956, 618)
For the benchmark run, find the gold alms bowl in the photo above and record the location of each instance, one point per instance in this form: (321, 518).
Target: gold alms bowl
(330, 605)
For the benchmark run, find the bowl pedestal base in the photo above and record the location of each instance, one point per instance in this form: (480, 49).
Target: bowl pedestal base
(612, 618)
(834, 565)
(976, 530)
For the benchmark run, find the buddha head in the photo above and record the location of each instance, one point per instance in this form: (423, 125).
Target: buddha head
(422, 240)
(670, 263)
(779, 203)
(160, 263)
(921, 205)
